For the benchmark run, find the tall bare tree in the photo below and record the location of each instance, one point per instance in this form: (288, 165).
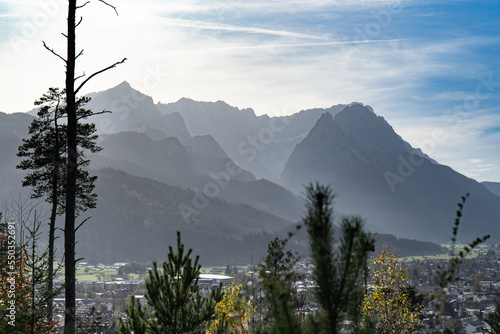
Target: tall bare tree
(72, 167)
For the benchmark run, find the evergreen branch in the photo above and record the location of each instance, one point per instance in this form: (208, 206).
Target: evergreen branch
(94, 113)
(448, 275)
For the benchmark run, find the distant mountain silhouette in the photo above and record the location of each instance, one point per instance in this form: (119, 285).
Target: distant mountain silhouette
(378, 175)
(231, 180)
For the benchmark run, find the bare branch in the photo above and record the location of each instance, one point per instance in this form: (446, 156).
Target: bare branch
(104, 2)
(81, 76)
(99, 72)
(83, 222)
(79, 54)
(81, 19)
(78, 7)
(64, 35)
(53, 52)
(79, 259)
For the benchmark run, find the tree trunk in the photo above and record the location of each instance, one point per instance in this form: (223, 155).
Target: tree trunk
(52, 227)
(53, 216)
(69, 224)
(33, 279)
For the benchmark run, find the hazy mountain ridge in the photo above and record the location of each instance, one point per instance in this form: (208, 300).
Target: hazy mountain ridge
(145, 215)
(374, 171)
(129, 108)
(260, 144)
(13, 128)
(210, 158)
(200, 166)
(170, 172)
(225, 228)
(168, 156)
(354, 137)
(494, 187)
(375, 174)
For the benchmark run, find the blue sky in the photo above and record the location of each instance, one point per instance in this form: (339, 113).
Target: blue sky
(427, 67)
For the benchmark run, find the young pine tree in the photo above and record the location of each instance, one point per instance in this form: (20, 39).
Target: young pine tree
(493, 320)
(338, 266)
(175, 302)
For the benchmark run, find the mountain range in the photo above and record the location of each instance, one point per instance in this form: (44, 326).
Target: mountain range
(229, 179)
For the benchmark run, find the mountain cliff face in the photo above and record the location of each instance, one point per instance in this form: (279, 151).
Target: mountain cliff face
(378, 175)
(354, 139)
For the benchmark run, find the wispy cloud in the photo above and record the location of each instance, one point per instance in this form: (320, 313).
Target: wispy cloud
(233, 28)
(412, 64)
(273, 46)
(203, 7)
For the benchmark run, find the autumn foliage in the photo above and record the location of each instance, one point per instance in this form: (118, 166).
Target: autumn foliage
(389, 302)
(234, 311)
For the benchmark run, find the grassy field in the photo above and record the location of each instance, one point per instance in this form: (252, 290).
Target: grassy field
(479, 250)
(97, 274)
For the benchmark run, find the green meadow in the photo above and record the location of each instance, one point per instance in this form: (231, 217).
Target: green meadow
(476, 252)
